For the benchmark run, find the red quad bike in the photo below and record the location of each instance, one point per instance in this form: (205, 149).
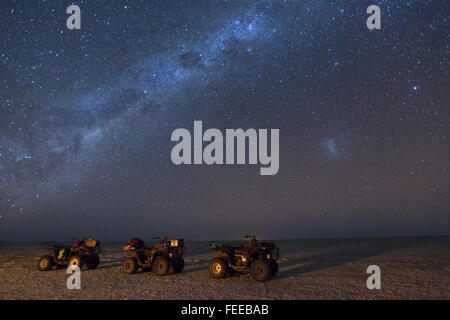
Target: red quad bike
(163, 258)
(261, 258)
(80, 253)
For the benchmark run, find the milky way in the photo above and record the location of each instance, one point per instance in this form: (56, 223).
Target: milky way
(86, 117)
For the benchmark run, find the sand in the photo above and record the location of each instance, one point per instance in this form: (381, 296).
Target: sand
(411, 268)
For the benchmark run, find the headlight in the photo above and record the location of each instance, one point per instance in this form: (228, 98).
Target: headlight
(268, 256)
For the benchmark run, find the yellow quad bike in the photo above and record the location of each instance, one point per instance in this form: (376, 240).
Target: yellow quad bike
(81, 253)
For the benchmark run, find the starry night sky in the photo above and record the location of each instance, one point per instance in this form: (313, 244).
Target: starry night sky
(86, 117)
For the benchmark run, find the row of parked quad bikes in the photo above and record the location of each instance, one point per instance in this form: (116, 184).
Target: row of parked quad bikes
(166, 256)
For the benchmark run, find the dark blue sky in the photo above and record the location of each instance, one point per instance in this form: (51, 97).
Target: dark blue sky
(86, 117)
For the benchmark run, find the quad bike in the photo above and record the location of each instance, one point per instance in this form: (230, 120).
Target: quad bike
(164, 257)
(80, 253)
(261, 258)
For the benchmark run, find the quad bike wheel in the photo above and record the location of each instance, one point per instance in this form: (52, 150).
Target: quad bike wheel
(75, 261)
(274, 268)
(160, 266)
(93, 261)
(260, 270)
(45, 263)
(218, 268)
(130, 265)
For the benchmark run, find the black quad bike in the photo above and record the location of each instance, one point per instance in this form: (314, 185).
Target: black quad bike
(80, 253)
(260, 257)
(163, 258)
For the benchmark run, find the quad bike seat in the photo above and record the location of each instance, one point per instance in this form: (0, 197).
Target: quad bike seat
(57, 246)
(240, 251)
(149, 251)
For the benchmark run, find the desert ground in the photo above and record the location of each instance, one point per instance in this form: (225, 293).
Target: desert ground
(411, 268)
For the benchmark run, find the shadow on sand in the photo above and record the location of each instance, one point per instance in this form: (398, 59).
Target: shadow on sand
(111, 264)
(349, 252)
